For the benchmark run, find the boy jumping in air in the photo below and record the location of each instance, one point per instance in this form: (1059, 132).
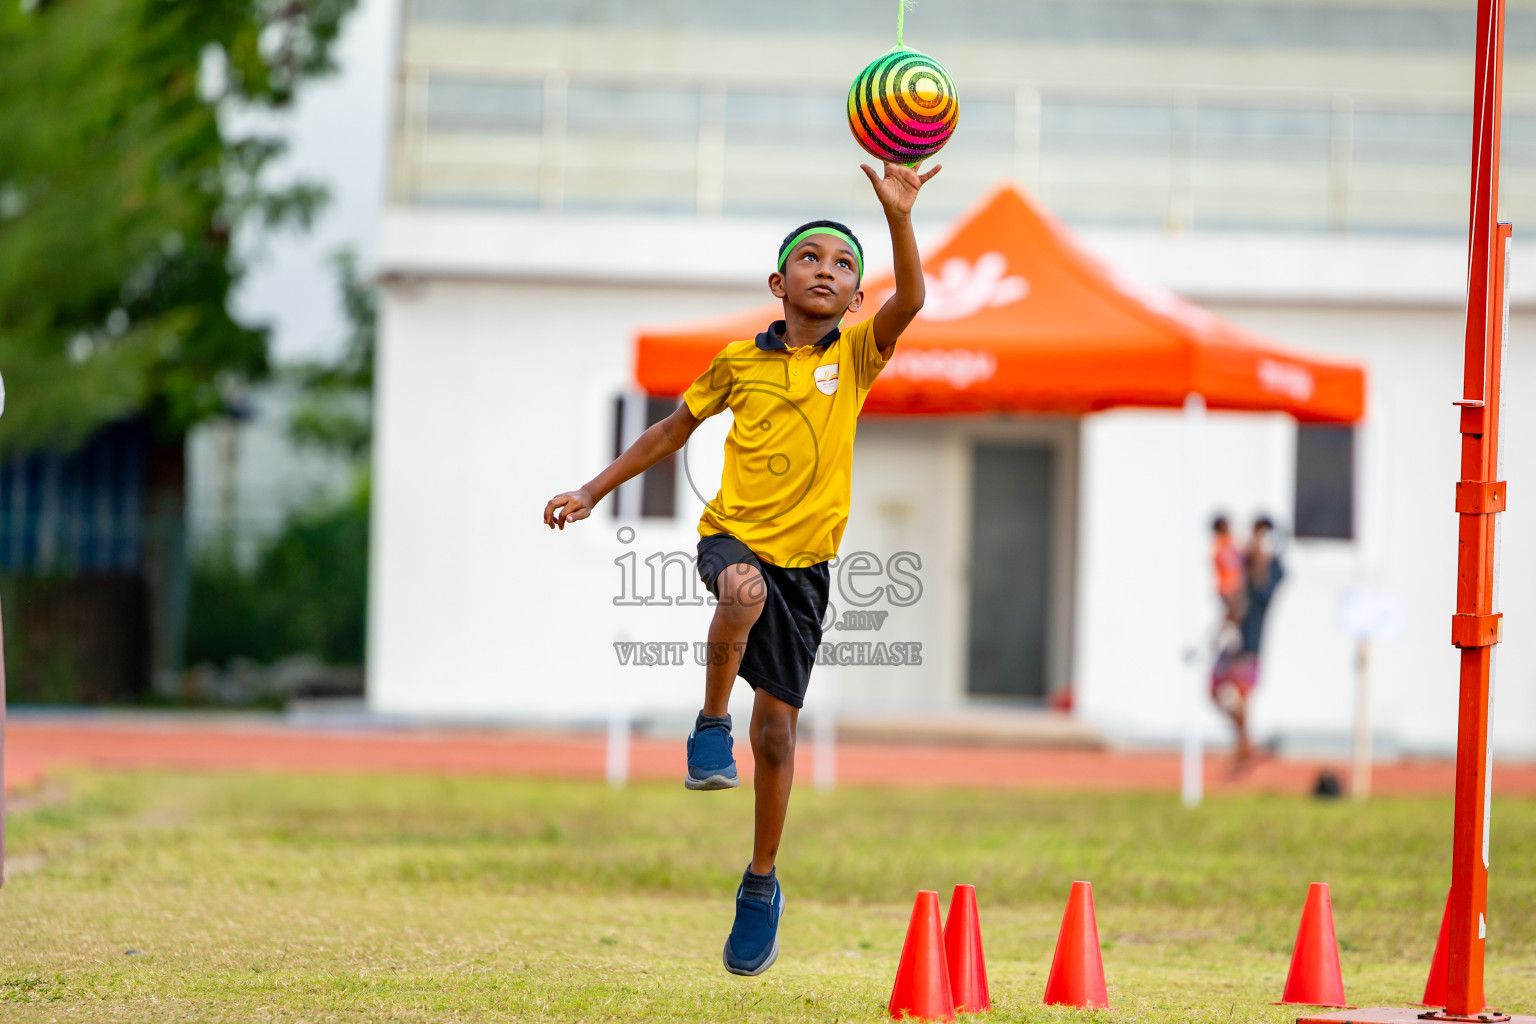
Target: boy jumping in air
(794, 392)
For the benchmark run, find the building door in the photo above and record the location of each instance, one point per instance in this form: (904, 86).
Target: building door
(1011, 503)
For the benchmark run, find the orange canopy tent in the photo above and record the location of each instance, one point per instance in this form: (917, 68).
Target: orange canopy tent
(1021, 318)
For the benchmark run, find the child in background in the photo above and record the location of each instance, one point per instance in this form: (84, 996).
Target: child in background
(1236, 673)
(1228, 560)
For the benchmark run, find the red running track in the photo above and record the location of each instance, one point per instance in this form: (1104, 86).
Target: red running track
(36, 746)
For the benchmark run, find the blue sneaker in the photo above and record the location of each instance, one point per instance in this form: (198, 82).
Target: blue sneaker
(753, 944)
(710, 764)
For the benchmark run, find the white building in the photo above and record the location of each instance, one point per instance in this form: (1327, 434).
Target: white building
(560, 182)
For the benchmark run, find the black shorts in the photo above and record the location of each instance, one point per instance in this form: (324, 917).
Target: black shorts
(781, 649)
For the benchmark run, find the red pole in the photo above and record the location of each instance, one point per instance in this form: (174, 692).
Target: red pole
(1476, 627)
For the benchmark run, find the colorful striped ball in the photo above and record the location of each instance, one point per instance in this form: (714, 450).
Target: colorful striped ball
(903, 106)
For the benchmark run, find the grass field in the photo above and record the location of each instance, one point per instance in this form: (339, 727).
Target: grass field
(336, 898)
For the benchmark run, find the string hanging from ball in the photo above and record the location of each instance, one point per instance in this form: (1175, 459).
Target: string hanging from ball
(903, 106)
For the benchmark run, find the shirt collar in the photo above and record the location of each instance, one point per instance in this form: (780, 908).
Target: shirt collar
(773, 338)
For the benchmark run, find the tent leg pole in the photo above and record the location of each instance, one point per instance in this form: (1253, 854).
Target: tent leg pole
(1192, 766)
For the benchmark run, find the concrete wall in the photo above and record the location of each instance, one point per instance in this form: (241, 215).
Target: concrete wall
(496, 393)
(1129, 610)
(912, 493)
(492, 398)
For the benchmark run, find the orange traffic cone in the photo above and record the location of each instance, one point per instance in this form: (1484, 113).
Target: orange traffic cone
(1315, 978)
(922, 977)
(1439, 967)
(962, 949)
(1077, 969)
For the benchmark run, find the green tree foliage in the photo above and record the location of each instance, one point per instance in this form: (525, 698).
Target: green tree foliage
(335, 412)
(119, 193)
(308, 592)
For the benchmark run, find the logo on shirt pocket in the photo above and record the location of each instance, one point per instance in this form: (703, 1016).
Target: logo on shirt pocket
(826, 378)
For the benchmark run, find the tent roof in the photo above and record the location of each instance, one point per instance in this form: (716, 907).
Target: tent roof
(1020, 317)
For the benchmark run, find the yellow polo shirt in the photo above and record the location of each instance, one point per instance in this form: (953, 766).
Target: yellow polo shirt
(789, 456)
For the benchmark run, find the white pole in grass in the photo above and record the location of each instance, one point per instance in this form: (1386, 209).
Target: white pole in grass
(1361, 761)
(1369, 614)
(617, 768)
(824, 771)
(627, 499)
(1192, 766)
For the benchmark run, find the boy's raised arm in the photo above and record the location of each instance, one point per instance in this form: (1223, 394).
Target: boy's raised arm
(659, 441)
(897, 191)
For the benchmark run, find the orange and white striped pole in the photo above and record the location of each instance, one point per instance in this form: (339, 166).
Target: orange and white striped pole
(1476, 626)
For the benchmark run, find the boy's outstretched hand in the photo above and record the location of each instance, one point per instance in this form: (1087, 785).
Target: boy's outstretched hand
(897, 191)
(568, 508)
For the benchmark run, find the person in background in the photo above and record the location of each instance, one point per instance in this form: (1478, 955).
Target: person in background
(1228, 560)
(1263, 574)
(1236, 673)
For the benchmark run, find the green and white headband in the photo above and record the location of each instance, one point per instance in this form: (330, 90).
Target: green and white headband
(822, 229)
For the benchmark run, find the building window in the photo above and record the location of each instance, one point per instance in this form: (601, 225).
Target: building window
(485, 106)
(658, 495)
(1325, 481)
(658, 485)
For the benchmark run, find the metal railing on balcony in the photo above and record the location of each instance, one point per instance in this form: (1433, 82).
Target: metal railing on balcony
(1256, 159)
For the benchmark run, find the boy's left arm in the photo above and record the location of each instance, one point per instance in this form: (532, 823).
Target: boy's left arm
(897, 191)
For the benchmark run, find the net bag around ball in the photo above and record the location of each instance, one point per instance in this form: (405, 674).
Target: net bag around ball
(903, 106)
